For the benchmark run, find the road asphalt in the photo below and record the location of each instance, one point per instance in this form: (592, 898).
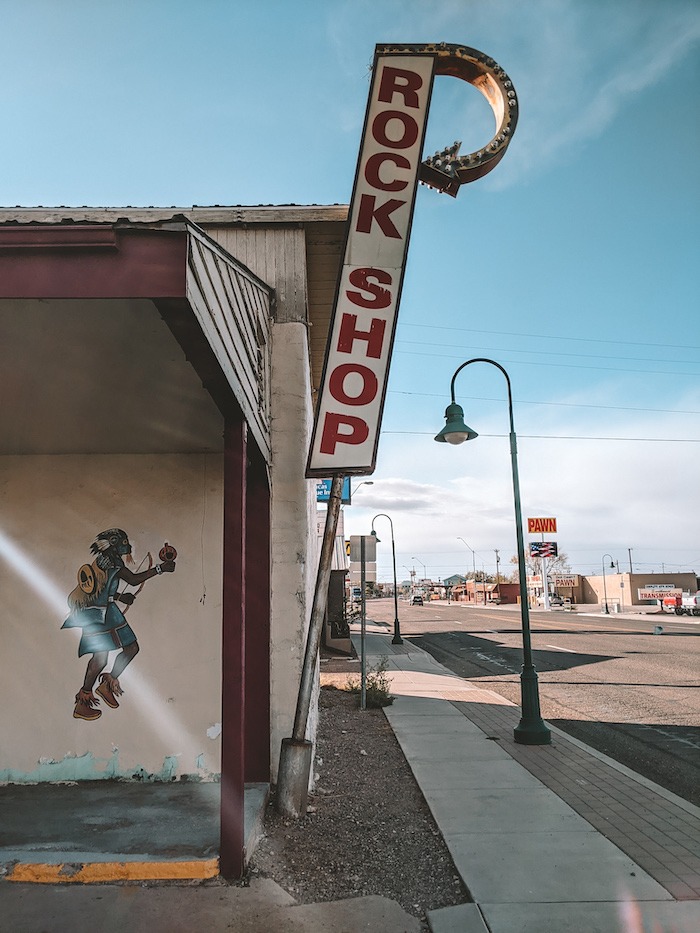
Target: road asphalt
(548, 838)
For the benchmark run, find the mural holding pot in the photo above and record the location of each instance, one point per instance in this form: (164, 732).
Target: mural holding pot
(94, 605)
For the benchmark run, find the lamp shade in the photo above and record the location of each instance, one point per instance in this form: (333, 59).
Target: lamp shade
(455, 430)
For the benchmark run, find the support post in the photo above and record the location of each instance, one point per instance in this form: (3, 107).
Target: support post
(232, 841)
(295, 754)
(363, 626)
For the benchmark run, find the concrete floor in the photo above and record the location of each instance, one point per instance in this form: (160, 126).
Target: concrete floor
(114, 821)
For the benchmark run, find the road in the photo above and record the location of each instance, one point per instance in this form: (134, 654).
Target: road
(609, 681)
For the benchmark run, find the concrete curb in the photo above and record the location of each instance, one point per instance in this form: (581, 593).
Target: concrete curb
(101, 872)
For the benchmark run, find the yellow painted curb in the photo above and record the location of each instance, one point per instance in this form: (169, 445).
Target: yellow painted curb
(93, 872)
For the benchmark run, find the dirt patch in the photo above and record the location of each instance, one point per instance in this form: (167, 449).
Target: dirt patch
(368, 830)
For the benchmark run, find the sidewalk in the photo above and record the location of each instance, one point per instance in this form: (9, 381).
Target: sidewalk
(548, 839)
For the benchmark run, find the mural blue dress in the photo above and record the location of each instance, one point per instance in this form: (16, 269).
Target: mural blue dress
(103, 623)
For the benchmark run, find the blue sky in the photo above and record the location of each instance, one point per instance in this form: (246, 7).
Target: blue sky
(574, 264)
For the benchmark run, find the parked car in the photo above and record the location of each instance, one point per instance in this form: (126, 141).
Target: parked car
(417, 601)
(554, 600)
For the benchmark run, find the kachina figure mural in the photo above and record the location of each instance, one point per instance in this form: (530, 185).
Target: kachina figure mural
(94, 609)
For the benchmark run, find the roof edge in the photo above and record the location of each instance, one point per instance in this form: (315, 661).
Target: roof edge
(216, 214)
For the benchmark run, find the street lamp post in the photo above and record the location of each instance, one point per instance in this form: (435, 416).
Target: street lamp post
(605, 589)
(425, 569)
(531, 730)
(473, 565)
(365, 482)
(397, 639)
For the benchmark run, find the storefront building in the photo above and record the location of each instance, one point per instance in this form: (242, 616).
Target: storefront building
(157, 377)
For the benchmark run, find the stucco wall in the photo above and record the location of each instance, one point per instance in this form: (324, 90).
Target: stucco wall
(167, 725)
(627, 595)
(294, 545)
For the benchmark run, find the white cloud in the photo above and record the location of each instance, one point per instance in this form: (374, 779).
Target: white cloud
(607, 495)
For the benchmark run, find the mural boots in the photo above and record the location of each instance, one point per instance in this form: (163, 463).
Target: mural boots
(85, 703)
(109, 690)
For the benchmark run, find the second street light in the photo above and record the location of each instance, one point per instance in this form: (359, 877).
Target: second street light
(605, 589)
(397, 639)
(425, 569)
(531, 730)
(473, 566)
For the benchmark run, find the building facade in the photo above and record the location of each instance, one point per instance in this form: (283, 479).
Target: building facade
(157, 371)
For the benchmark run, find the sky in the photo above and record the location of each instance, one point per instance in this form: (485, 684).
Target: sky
(574, 264)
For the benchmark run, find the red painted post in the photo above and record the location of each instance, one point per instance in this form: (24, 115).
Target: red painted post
(233, 650)
(257, 616)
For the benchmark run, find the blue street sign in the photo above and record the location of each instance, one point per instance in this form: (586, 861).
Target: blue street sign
(323, 490)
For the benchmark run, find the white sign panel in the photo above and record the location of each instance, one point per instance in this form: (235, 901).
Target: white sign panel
(564, 579)
(351, 397)
(356, 548)
(658, 593)
(355, 575)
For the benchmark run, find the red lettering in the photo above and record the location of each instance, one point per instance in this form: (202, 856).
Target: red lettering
(368, 211)
(375, 162)
(332, 435)
(380, 125)
(398, 81)
(336, 384)
(360, 278)
(374, 336)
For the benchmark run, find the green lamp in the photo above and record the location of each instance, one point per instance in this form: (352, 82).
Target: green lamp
(455, 430)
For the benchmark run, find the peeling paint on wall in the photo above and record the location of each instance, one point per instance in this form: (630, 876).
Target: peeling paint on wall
(88, 768)
(214, 731)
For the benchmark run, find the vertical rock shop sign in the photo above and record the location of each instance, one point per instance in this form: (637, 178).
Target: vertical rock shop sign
(358, 353)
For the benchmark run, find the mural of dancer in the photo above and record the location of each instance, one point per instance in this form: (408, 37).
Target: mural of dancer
(94, 609)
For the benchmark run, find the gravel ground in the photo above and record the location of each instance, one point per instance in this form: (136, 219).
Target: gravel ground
(368, 829)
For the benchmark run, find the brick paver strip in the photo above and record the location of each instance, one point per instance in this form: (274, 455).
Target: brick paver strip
(658, 834)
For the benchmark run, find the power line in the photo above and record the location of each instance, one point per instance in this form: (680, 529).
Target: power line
(605, 369)
(505, 333)
(523, 401)
(591, 356)
(571, 437)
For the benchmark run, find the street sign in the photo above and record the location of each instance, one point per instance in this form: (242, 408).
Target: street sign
(323, 490)
(545, 526)
(355, 573)
(543, 549)
(356, 548)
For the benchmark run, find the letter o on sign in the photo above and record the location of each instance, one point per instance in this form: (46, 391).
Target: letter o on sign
(407, 129)
(367, 391)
